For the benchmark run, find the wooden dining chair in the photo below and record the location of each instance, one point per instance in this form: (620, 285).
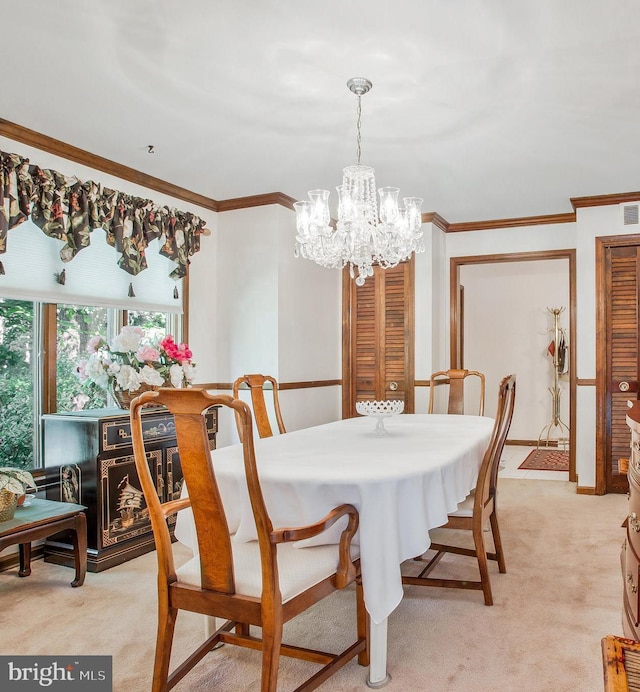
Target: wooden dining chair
(264, 582)
(455, 379)
(620, 664)
(256, 384)
(478, 509)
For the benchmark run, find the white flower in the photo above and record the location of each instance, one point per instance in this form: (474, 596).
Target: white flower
(128, 379)
(129, 339)
(176, 374)
(96, 372)
(189, 371)
(150, 376)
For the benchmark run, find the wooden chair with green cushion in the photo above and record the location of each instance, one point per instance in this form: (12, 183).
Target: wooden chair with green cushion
(455, 379)
(477, 510)
(265, 582)
(256, 384)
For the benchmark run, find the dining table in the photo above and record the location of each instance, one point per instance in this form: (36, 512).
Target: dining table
(403, 483)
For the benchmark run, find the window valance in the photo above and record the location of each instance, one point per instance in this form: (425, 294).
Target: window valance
(68, 209)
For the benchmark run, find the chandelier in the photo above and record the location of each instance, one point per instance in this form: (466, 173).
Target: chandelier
(364, 234)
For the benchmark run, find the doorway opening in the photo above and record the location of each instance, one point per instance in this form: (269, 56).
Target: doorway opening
(503, 304)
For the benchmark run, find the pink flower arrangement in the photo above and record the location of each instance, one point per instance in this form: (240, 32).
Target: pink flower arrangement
(131, 360)
(181, 353)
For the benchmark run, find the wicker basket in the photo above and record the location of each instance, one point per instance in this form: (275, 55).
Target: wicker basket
(124, 398)
(8, 504)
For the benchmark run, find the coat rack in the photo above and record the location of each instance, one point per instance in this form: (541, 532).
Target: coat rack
(558, 350)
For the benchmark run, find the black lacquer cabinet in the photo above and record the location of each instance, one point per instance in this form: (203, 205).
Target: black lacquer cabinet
(88, 459)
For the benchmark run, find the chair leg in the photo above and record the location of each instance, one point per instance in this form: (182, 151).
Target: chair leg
(481, 554)
(243, 629)
(432, 564)
(164, 640)
(497, 542)
(362, 623)
(271, 641)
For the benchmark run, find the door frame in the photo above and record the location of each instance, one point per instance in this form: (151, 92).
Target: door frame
(603, 243)
(455, 333)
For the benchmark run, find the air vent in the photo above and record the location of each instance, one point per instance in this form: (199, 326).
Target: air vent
(631, 214)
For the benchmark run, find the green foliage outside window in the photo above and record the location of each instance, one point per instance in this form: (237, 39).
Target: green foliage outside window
(154, 323)
(75, 326)
(16, 383)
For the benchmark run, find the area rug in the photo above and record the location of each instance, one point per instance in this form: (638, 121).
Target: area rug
(546, 460)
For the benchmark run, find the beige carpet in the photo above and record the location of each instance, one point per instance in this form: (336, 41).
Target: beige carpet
(561, 594)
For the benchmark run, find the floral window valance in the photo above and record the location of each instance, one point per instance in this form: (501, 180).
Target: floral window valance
(69, 210)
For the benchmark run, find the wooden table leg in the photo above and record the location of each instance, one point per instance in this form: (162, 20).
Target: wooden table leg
(79, 539)
(25, 559)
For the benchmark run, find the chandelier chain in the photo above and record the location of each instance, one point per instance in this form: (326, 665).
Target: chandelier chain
(358, 128)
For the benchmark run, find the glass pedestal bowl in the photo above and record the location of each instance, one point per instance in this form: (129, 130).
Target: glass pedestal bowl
(379, 410)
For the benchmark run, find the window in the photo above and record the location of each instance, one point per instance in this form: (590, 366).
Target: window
(75, 325)
(154, 323)
(19, 383)
(25, 363)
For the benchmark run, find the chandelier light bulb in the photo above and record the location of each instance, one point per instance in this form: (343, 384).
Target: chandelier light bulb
(364, 233)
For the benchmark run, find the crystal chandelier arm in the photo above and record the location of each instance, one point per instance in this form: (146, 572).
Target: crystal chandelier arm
(413, 208)
(388, 204)
(320, 205)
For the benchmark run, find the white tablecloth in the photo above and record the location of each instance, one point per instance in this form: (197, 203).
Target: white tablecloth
(402, 485)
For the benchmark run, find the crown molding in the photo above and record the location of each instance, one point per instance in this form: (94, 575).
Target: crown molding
(603, 200)
(437, 220)
(256, 201)
(99, 163)
(511, 223)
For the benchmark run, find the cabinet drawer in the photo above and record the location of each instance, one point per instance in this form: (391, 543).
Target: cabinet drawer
(634, 460)
(633, 519)
(156, 427)
(116, 434)
(631, 576)
(628, 628)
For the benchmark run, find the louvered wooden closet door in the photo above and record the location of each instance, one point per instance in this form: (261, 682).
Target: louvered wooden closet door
(379, 336)
(622, 269)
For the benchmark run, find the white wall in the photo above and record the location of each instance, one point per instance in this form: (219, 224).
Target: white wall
(310, 333)
(429, 306)
(507, 330)
(276, 314)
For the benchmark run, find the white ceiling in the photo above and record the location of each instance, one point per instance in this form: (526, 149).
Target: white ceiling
(485, 108)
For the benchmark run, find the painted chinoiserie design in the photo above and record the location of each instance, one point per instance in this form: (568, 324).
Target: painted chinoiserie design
(88, 460)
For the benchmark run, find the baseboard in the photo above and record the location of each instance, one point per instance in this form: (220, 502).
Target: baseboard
(13, 559)
(585, 490)
(532, 443)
